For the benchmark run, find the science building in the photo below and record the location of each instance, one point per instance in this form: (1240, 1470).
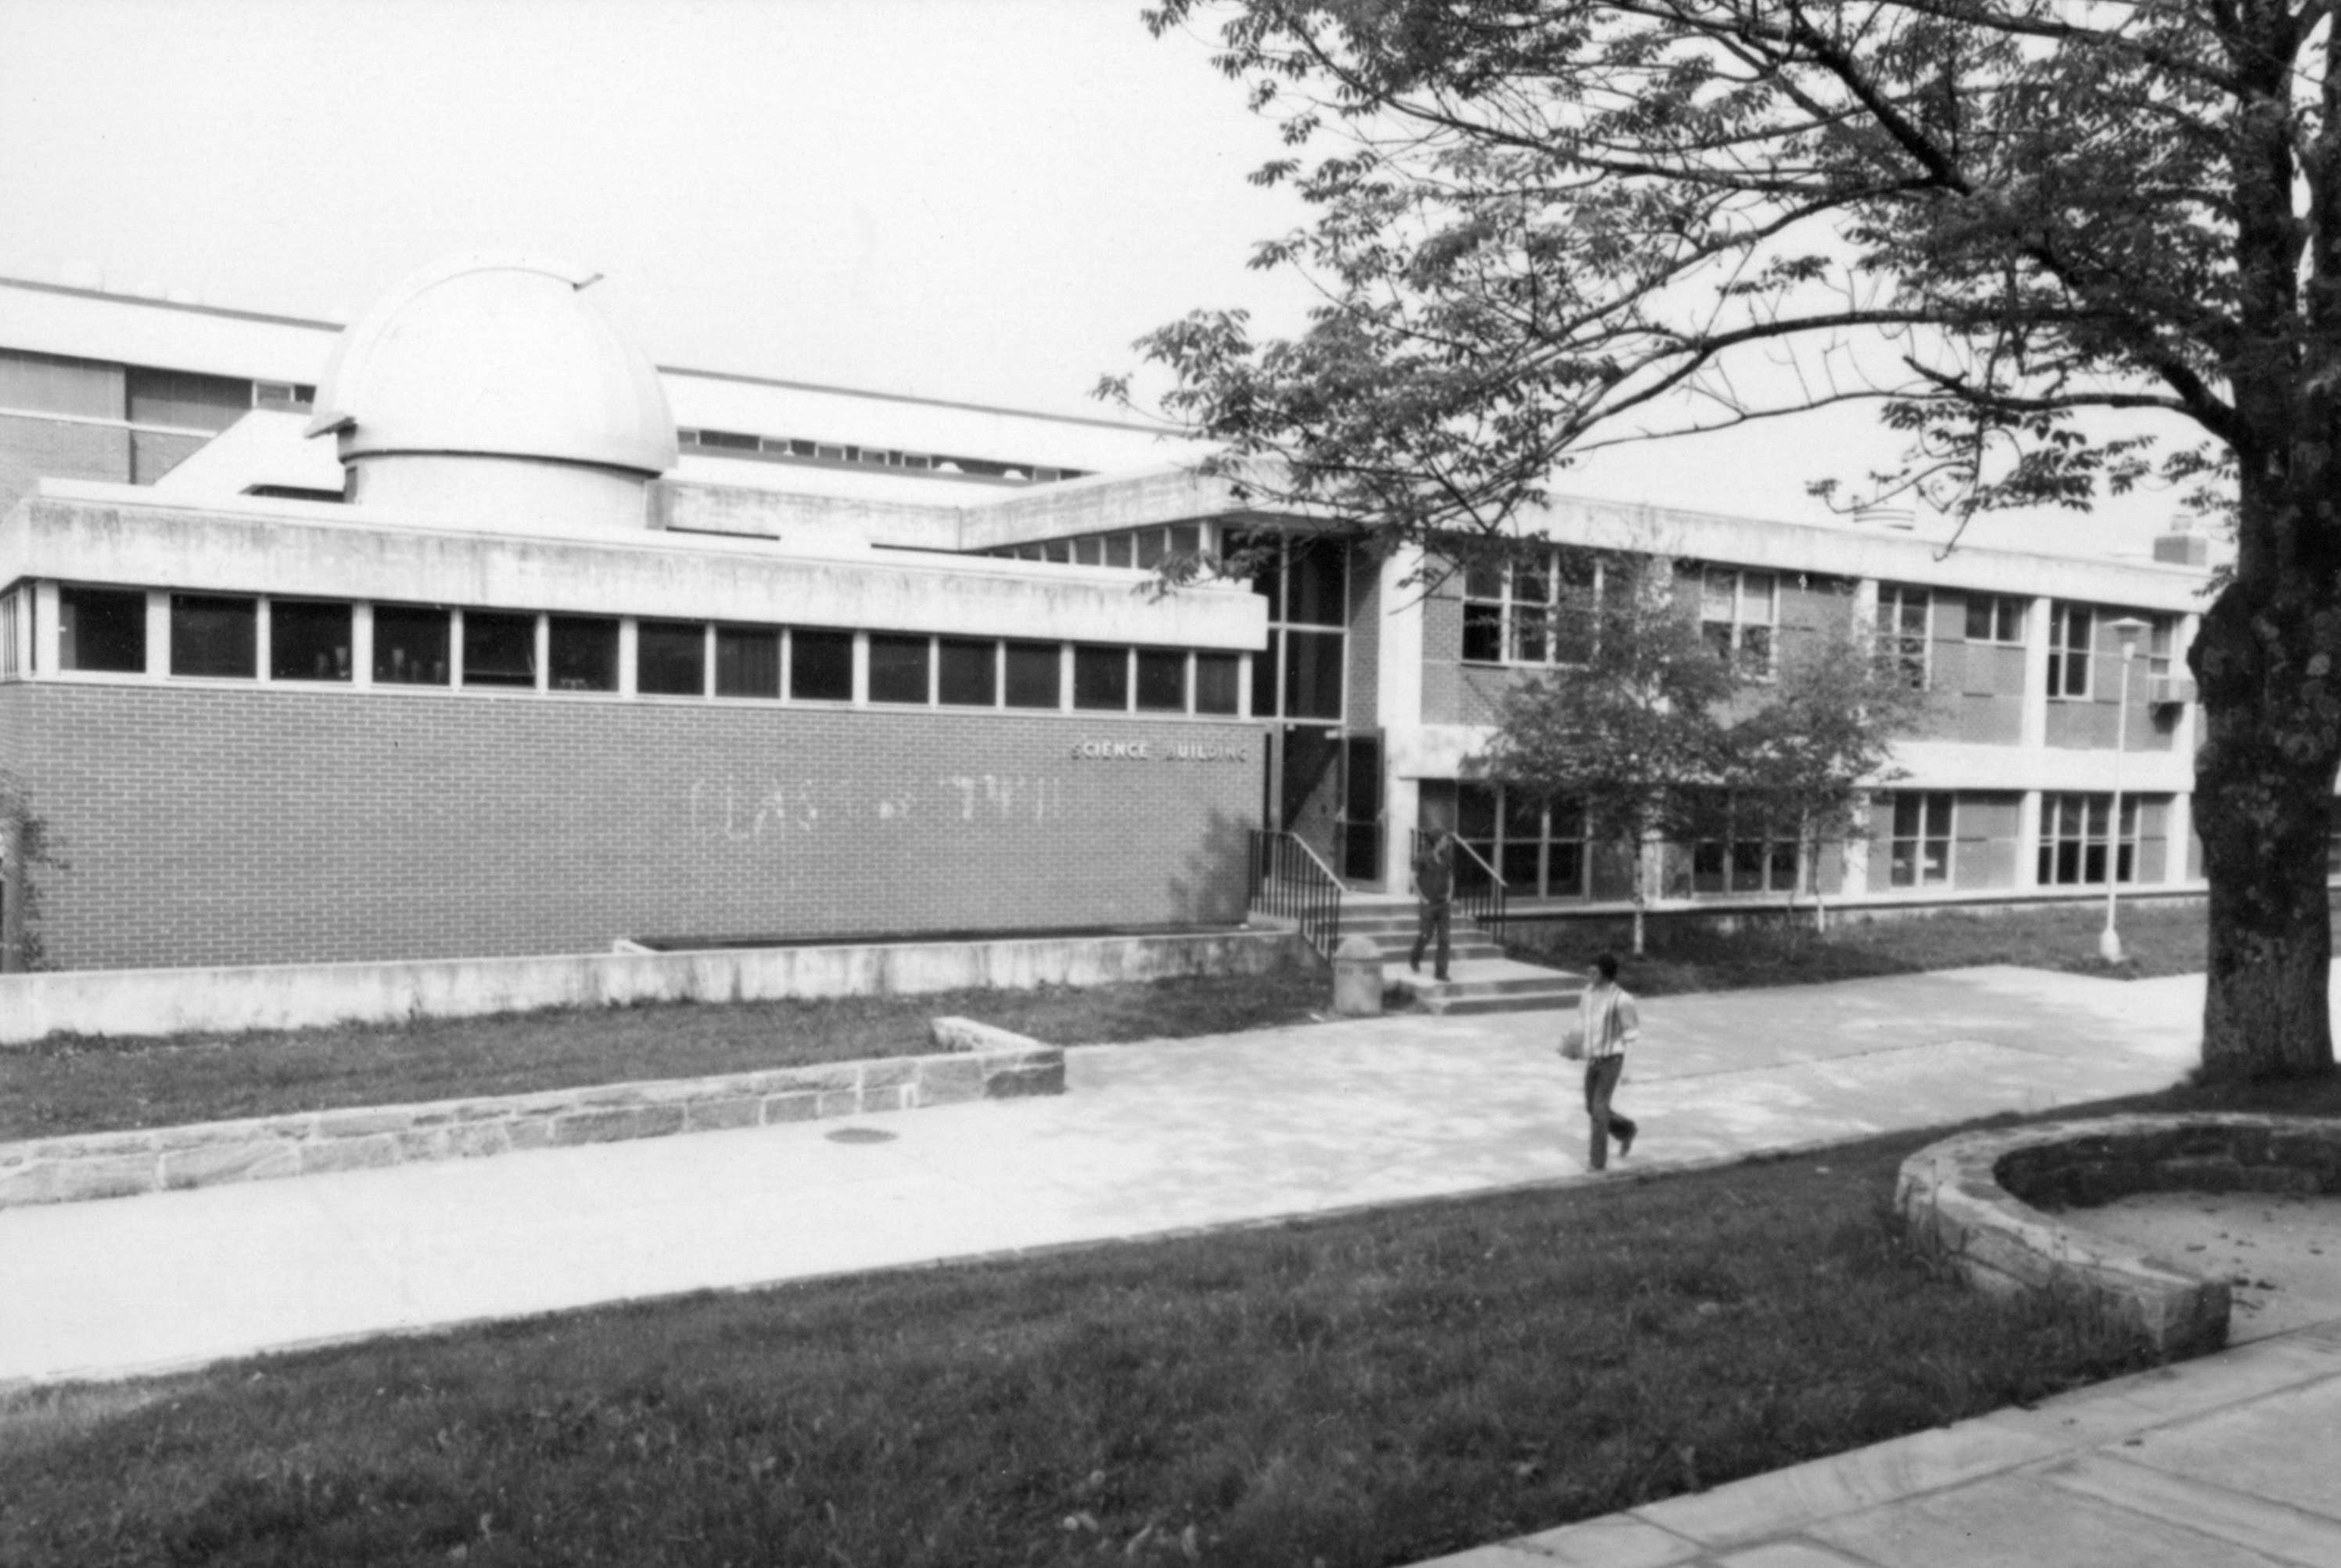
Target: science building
(466, 630)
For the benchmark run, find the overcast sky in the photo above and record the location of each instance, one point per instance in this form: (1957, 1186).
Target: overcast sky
(984, 200)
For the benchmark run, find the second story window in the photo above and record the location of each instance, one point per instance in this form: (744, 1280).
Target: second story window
(1995, 617)
(2072, 629)
(1902, 629)
(1738, 611)
(1530, 611)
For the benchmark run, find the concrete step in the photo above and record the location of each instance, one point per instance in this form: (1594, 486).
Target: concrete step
(1488, 985)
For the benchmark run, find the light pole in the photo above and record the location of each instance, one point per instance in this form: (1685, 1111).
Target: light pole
(2110, 946)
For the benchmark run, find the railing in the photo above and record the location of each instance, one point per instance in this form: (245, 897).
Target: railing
(1480, 899)
(1289, 881)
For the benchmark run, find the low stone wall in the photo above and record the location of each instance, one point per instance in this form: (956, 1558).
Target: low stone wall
(303, 995)
(978, 1062)
(1978, 1199)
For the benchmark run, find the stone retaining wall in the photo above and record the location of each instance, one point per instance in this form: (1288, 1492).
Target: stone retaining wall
(980, 1062)
(1978, 1200)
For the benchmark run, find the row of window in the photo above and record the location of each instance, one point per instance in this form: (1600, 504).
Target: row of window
(1539, 850)
(217, 636)
(138, 394)
(1144, 548)
(736, 443)
(1531, 613)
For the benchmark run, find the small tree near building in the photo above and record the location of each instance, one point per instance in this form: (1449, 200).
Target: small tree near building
(1630, 727)
(1824, 734)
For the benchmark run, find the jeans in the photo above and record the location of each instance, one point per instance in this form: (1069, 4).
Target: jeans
(1600, 1082)
(1432, 918)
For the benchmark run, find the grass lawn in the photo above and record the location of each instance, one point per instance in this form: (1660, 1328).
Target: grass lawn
(1366, 1389)
(78, 1084)
(2158, 939)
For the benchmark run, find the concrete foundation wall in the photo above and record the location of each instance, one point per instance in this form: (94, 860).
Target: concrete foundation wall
(304, 996)
(216, 825)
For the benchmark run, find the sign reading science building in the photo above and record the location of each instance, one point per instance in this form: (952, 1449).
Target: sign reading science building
(1155, 752)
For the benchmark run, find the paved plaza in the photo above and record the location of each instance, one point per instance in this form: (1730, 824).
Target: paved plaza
(1174, 1136)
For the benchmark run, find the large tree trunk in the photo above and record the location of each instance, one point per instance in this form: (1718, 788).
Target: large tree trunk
(2269, 668)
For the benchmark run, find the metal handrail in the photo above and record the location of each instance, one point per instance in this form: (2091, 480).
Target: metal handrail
(1488, 907)
(1291, 881)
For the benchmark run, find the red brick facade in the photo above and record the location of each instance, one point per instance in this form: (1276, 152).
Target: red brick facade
(210, 824)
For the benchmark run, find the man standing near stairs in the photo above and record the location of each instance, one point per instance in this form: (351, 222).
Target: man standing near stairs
(1434, 885)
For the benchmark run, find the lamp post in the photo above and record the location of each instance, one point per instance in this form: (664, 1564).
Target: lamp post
(2110, 946)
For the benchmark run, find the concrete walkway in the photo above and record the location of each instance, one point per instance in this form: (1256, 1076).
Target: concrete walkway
(1173, 1135)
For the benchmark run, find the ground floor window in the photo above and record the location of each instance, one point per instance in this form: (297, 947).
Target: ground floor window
(1537, 846)
(2077, 837)
(1920, 849)
(1743, 850)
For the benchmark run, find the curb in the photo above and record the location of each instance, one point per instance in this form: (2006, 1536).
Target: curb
(1971, 1199)
(977, 1062)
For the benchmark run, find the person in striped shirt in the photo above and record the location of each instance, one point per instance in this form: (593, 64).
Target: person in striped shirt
(1611, 1022)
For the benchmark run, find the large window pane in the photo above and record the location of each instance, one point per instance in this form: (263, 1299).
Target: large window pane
(1218, 682)
(1101, 678)
(671, 658)
(1162, 680)
(820, 665)
(214, 636)
(898, 668)
(308, 642)
(410, 646)
(1319, 581)
(101, 629)
(1034, 675)
(1266, 672)
(581, 653)
(748, 662)
(967, 673)
(1312, 674)
(499, 649)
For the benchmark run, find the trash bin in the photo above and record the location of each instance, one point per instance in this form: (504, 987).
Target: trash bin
(1357, 978)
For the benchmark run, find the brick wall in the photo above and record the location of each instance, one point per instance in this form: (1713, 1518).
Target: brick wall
(268, 824)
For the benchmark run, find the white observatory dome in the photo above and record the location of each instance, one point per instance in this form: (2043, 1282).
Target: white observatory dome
(492, 387)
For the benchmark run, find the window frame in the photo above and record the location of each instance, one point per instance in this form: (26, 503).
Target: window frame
(1910, 851)
(2064, 656)
(1911, 651)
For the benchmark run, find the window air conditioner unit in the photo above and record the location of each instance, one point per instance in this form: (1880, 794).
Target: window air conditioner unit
(2166, 690)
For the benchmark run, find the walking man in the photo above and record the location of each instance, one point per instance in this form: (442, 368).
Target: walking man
(1434, 884)
(1611, 1022)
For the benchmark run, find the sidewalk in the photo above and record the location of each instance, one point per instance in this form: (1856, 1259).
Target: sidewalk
(2223, 1461)
(1149, 1139)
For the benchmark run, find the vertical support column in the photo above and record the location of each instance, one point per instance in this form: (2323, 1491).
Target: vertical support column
(628, 641)
(2036, 673)
(1856, 850)
(263, 639)
(2178, 830)
(2028, 838)
(362, 644)
(158, 633)
(1398, 705)
(543, 633)
(42, 645)
(454, 649)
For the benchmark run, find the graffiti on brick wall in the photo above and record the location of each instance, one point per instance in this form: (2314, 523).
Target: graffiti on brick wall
(745, 811)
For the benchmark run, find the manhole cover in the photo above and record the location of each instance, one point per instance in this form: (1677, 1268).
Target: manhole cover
(859, 1136)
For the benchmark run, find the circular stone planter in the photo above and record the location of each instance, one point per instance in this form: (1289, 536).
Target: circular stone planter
(1980, 1200)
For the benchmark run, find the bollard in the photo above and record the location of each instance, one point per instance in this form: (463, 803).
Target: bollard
(1357, 978)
